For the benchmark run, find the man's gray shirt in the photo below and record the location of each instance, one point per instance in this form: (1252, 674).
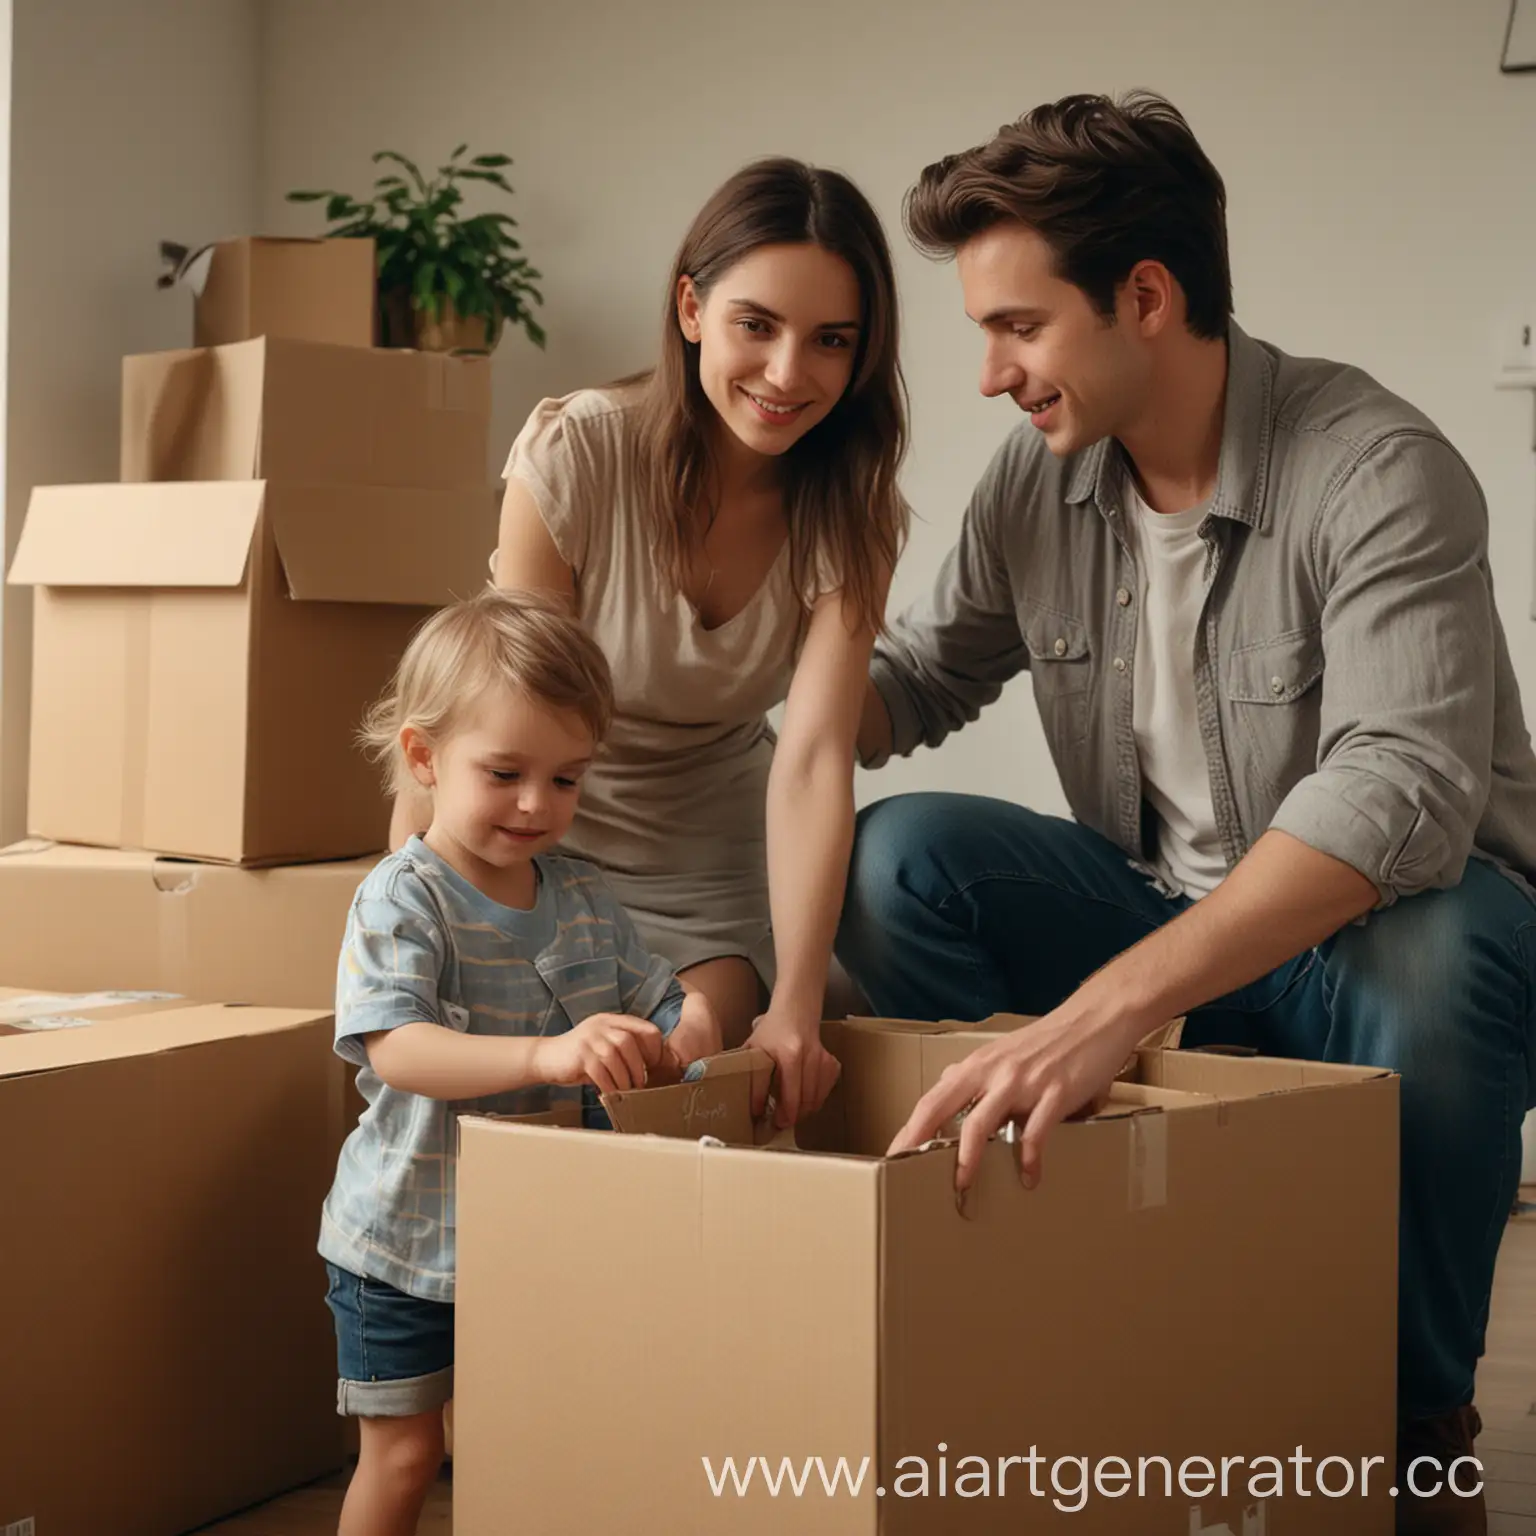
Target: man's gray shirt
(1352, 678)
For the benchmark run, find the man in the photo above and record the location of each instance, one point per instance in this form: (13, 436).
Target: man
(1253, 596)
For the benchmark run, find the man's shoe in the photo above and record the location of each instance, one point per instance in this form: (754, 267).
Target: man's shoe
(1430, 1449)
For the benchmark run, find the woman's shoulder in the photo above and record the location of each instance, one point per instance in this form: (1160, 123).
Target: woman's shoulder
(593, 422)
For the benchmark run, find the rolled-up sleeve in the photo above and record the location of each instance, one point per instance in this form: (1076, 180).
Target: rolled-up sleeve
(947, 657)
(1405, 749)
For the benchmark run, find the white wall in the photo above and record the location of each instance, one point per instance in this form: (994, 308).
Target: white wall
(130, 122)
(1382, 196)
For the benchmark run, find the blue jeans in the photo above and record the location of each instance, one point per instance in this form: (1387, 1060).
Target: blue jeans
(960, 907)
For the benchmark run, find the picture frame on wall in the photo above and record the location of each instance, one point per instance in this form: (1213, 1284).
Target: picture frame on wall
(1520, 39)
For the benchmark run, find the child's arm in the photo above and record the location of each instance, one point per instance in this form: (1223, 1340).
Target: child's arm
(608, 1049)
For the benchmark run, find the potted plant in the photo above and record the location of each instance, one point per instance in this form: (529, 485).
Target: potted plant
(447, 283)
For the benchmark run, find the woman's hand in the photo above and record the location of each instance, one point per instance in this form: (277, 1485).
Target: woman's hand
(806, 1069)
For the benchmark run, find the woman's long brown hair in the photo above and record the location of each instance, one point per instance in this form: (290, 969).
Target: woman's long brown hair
(839, 481)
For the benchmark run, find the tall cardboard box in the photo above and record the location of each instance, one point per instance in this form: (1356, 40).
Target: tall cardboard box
(167, 1354)
(1207, 1270)
(81, 919)
(203, 653)
(308, 413)
(309, 290)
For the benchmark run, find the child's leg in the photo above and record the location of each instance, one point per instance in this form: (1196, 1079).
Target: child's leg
(395, 1358)
(397, 1464)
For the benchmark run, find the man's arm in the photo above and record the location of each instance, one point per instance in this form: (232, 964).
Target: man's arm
(1405, 744)
(1280, 900)
(947, 657)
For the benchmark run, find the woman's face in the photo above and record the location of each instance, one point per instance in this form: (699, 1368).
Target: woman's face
(777, 335)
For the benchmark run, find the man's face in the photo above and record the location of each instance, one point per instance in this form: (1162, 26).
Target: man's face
(1078, 375)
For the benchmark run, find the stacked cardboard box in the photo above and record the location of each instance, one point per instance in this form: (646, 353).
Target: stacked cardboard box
(167, 1353)
(208, 633)
(206, 641)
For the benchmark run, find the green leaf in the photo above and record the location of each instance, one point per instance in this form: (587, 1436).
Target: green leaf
(536, 333)
(492, 161)
(495, 178)
(308, 197)
(409, 166)
(459, 151)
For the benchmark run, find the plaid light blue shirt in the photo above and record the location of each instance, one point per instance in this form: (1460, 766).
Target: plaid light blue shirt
(424, 945)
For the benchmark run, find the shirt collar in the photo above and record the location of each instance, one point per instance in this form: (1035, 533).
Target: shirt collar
(1246, 434)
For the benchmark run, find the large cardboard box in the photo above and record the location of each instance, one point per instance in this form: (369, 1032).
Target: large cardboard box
(309, 290)
(307, 413)
(1207, 1270)
(166, 1351)
(83, 919)
(203, 654)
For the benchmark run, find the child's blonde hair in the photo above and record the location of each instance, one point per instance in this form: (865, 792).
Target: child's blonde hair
(527, 641)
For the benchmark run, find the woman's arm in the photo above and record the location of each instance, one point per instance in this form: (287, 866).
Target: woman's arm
(526, 555)
(810, 836)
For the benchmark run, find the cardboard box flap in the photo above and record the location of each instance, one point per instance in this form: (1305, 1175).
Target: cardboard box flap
(178, 1025)
(171, 399)
(193, 534)
(382, 544)
(718, 1104)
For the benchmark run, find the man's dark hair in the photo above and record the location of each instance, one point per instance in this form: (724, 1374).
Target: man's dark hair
(1105, 183)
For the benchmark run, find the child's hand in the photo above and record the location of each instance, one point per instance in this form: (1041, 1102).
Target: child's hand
(609, 1050)
(697, 1034)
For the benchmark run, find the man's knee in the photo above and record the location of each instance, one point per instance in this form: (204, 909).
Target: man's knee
(1442, 973)
(888, 839)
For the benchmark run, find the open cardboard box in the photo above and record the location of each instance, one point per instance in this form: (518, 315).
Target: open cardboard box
(1208, 1269)
(204, 651)
(167, 1356)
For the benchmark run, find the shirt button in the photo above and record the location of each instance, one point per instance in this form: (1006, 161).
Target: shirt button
(1276, 685)
(1060, 647)
(1119, 663)
(1123, 597)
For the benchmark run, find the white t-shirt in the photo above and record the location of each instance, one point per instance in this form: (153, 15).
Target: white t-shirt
(1165, 718)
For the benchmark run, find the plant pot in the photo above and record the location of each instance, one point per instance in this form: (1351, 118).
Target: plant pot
(397, 320)
(449, 331)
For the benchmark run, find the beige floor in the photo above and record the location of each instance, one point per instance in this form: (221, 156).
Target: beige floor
(1506, 1395)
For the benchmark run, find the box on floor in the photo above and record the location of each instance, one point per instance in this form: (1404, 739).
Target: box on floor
(309, 413)
(168, 1354)
(1208, 1269)
(203, 654)
(309, 290)
(82, 919)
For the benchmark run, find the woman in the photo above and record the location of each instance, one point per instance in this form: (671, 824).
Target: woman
(726, 526)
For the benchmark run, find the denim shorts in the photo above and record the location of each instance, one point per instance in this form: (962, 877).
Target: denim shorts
(394, 1352)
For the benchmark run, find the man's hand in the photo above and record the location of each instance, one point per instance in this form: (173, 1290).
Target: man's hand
(1039, 1073)
(807, 1070)
(609, 1050)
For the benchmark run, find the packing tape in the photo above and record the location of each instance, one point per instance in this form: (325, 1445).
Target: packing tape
(135, 748)
(1149, 1160)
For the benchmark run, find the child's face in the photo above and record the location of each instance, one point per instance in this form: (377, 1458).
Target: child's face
(506, 782)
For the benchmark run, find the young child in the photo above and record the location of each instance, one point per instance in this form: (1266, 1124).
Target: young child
(478, 973)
